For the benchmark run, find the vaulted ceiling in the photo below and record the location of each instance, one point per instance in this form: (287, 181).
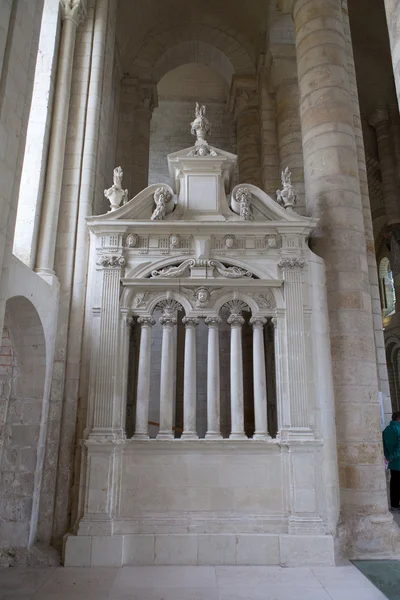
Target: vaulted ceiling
(146, 29)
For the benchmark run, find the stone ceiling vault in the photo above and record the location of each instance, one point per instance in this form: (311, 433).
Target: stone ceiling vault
(146, 32)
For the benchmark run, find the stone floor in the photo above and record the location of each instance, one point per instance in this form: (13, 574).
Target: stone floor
(187, 583)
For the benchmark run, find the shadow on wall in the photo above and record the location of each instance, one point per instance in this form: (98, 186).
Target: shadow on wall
(22, 381)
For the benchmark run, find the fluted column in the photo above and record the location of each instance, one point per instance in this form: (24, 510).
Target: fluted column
(393, 21)
(71, 14)
(259, 379)
(189, 380)
(237, 397)
(333, 195)
(297, 370)
(168, 323)
(108, 343)
(144, 377)
(213, 380)
(390, 186)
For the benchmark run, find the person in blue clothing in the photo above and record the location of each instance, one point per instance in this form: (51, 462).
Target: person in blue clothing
(391, 448)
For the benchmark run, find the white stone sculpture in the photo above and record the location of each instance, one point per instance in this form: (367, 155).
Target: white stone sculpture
(264, 299)
(230, 272)
(202, 297)
(132, 240)
(271, 241)
(112, 261)
(161, 197)
(115, 194)
(174, 240)
(229, 241)
(174, 271)
(243, 198)
(286, 197)
(201, 126)
(292, 263)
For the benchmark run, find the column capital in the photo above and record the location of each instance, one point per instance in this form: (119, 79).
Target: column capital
(73, 10)
(190, 321)
(243, 94)
(283, 67)
(236, 320)
(146, 321)
(167, 320)
(257, 322)
(213, 321)
(380, 115)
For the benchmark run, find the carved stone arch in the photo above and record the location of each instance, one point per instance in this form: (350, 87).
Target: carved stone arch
(194, 51)
(240, 296)
(160, 296)
(231, 43)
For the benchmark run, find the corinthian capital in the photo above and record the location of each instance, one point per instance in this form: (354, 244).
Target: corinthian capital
(73, 10)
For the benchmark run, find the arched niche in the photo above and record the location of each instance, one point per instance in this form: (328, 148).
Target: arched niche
(22, 384)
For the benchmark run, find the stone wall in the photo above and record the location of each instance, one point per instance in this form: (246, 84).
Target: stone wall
(19, 35)
(22, 381)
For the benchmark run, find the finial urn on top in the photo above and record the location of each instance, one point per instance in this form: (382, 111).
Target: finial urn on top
(201, 126)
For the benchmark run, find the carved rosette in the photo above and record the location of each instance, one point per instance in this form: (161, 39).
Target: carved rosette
(190, 321)
(115, 262)
(146, 321)
(258, 322)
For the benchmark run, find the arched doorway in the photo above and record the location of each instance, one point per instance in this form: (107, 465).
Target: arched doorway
(22, 381)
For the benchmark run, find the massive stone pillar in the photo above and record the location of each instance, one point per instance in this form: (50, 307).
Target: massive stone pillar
(383, 381)
(381, 122)
(269, 156)
(333, 195)
(393, 22)
(138, 100)
(244, 104)
(286, 85)
(71, 14)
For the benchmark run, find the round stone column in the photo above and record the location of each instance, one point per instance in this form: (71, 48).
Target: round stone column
(213, 380)
(167, 378)
(189, 380)
(333, 195)
(259, 379)
(237, 397)
(144, 376)
(71, 16)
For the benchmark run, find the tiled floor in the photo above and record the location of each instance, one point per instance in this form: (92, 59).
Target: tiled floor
(187, 583)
